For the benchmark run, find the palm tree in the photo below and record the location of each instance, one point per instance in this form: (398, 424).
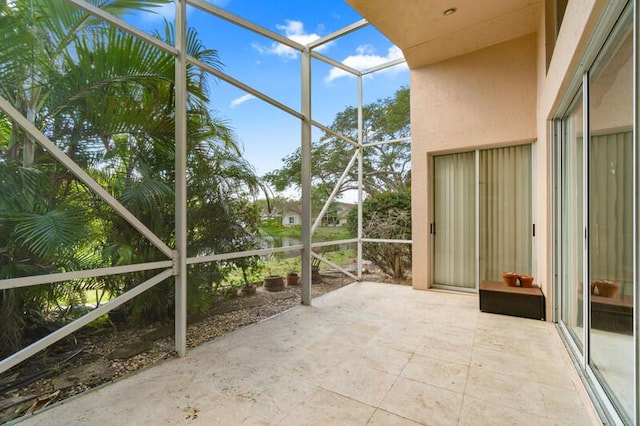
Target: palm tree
(106, 99)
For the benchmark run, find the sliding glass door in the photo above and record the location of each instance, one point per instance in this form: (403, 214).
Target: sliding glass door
(454, 226)
(571, 223)
(505, 212)
(596, 243)
(482, 216)
(610, 212)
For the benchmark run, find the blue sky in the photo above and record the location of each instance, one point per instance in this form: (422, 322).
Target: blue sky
(267, 134)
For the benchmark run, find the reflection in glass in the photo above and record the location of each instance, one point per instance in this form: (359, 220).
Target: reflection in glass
(611, 218)
(571, 176)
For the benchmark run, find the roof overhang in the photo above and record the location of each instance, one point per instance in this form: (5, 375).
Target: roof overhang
(426, 34)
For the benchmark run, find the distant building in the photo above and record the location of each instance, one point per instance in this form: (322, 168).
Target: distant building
(291, 218)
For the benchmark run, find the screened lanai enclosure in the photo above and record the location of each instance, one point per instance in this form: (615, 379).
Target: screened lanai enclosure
(117, 176)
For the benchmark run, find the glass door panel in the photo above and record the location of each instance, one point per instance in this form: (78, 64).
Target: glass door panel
(454, 219)
(505, 212)
(572, 224)
(611, 350)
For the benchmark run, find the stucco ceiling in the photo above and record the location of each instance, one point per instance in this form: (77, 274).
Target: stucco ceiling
(426, 35)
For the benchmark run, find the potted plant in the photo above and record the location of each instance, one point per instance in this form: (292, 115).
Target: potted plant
(510, 278)
(292, 278)
(250, 274)
(273, 282)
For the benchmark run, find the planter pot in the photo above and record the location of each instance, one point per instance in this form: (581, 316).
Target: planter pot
(607, 288)
(118, 317)
(274, 283)
(526, 281)
(510, 278)
(248, 290)
(292, 279)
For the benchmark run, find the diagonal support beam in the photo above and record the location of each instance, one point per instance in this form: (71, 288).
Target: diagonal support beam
(241, 85)
(334, 192)
(83, 176)
(333, 265)
(334, 133)
(63, 332)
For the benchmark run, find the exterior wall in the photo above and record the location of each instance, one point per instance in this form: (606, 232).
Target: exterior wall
(485, 98)
(579, 20)
(500, 95)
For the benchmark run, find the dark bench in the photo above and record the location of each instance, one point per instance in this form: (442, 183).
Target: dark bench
(613, 314)
(498, 298)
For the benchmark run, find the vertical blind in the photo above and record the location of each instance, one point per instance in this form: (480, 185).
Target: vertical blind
(505, 217)
(611, 207)
(505, 211)
(454, 217)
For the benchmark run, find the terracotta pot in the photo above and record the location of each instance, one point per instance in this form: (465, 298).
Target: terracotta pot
(526, 281)
(607, 288)
(510, 278)
(292, 279)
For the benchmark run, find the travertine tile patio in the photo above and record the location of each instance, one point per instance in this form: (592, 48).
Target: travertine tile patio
(368, 353)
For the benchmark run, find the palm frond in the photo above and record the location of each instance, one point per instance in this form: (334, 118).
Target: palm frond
(45, 234)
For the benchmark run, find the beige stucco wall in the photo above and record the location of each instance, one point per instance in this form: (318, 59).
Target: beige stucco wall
(500, 95)
(485, 98)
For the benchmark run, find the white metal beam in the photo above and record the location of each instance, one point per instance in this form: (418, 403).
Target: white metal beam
(333, 265)
(86, 273)
(83, 176)
(334, 133)
(383, 66)
(399, 140)
(181, 178)
(63, 332)
(241, 22)
(335, 63)
(333, 243)
(305, 159)
(386, 240)
(360, 178)
(241, 85)
(337, 34)
(239, 254)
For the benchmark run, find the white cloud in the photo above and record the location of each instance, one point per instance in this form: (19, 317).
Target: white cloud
(241, 100)
(366, 58)
(293, 30)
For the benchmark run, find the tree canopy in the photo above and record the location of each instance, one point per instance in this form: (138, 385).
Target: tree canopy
(387, 167)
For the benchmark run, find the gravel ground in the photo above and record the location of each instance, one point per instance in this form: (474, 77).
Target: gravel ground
(97, 359)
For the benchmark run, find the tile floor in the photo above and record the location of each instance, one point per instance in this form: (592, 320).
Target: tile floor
(368, 353)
